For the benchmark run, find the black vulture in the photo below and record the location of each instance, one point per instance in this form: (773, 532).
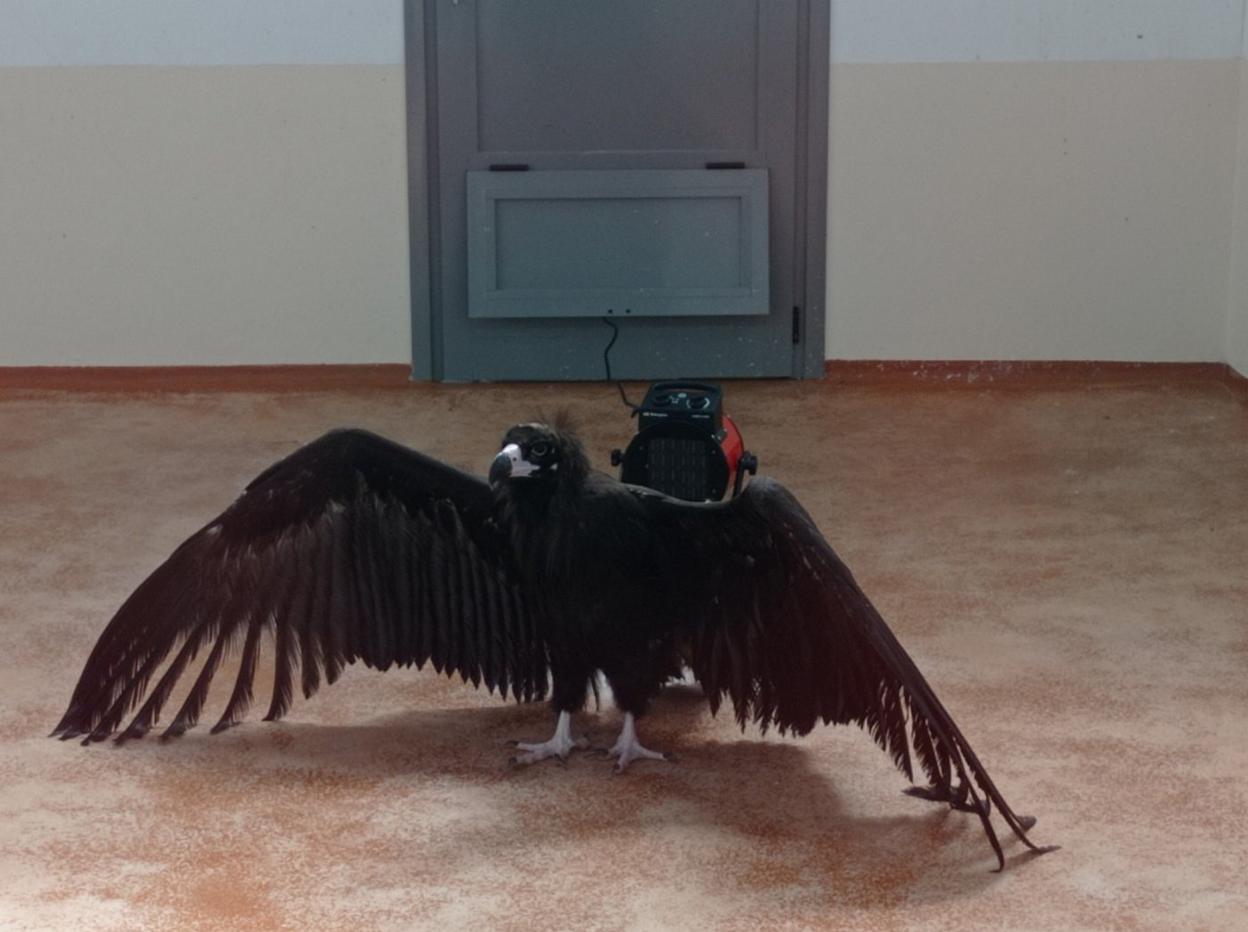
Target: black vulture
(533, 583)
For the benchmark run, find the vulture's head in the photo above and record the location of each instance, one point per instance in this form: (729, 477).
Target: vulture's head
(538, 454)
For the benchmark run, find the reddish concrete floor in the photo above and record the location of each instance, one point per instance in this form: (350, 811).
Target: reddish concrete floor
(1069, 568)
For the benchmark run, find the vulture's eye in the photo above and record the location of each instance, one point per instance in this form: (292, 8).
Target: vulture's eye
(540, 448)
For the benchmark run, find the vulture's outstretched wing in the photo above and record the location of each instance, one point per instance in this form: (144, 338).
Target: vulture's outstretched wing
(351, 548)
(779, 626)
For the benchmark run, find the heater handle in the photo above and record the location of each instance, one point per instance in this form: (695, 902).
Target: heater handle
(747, 463)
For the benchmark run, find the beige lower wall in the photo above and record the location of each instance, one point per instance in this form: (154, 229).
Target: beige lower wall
(226, 215)
(1043, 211)
(203, 215)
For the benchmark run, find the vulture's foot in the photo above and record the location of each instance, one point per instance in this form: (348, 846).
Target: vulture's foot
(560, 745)
(628, 749)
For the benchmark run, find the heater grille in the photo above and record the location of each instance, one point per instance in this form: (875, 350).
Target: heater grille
(678, 467)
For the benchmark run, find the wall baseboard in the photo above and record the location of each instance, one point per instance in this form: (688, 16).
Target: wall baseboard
(1027, 373)
(281, 378)
(974, 374)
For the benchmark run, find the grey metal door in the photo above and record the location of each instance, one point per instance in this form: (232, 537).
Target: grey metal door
(626, 87)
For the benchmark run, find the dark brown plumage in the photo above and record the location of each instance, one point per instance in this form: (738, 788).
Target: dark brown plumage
(355, 548)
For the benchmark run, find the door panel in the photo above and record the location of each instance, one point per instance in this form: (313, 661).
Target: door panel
(636, 243)
(584, 85)
(681, 75)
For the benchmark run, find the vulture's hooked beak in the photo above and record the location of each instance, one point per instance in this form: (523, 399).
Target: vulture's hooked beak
(510, 463)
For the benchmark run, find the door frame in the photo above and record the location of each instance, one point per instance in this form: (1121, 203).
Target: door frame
(810, 235)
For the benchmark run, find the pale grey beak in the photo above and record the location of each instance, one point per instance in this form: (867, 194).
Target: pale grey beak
(510, 464)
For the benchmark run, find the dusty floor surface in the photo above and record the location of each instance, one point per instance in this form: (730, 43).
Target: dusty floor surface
(1069, 568)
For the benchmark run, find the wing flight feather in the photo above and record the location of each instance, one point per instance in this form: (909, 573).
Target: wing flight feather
(780, 629)
(351, 548)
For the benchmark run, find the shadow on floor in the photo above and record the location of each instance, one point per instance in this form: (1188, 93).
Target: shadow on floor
(776, 815)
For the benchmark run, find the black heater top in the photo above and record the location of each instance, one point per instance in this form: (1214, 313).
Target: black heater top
(697, 403)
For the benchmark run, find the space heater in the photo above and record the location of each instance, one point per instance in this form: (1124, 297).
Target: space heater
(685, 446)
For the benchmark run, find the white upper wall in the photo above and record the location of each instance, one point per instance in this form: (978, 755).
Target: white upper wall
(1035, 30)
(201, 32)
(242, 32)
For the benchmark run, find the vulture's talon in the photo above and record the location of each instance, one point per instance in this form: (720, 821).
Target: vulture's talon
(560, 745)
(628, 749)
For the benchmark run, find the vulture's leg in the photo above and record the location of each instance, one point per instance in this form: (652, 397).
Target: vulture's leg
(628, 749)
(560, 744)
